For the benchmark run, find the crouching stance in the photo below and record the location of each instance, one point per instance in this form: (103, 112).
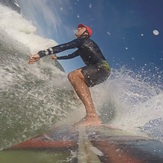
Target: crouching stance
(95, 72)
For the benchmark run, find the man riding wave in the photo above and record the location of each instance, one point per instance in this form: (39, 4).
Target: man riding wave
(96, 71)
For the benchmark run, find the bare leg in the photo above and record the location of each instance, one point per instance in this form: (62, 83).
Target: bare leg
(77, 80)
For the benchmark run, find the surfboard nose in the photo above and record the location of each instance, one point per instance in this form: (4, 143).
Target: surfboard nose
(95, 144)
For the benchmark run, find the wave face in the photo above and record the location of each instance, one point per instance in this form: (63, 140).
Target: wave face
(35, 97)
(32, 97)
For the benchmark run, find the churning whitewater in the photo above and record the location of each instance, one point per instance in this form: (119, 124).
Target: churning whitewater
(35, 97)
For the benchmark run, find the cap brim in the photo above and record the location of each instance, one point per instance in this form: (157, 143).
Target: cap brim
(81, 25)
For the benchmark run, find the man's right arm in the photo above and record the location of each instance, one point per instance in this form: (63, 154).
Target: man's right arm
(59, 48)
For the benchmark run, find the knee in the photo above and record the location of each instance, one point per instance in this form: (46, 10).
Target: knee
(74, 75)
(71, 77)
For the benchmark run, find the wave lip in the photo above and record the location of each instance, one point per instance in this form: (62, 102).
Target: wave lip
(13, 4)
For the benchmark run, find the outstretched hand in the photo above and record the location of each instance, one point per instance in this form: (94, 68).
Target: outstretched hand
(54, 57)
(34, 58)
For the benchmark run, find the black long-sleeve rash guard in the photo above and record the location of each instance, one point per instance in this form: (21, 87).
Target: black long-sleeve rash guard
(88, 50)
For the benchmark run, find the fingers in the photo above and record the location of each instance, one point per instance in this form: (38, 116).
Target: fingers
(54, 57)
(33, 59)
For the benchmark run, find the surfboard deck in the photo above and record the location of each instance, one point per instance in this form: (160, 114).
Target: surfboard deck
(85, 145)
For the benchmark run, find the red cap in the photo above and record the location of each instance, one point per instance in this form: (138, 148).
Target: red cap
(88, 29)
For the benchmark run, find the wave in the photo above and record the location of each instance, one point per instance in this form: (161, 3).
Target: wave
(32, 97)
(35, 97)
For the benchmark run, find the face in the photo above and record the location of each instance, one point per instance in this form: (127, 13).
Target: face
(80, 31)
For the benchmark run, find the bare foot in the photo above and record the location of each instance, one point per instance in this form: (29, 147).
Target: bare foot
(89, 120)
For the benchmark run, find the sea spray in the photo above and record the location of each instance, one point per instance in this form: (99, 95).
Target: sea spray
(129, 101)
(32, 97)
(35, 97)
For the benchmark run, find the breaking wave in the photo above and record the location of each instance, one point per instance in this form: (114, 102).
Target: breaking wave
(35, 97)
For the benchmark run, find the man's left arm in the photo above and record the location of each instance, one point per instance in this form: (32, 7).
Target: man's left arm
(69, 56)
(56, 49)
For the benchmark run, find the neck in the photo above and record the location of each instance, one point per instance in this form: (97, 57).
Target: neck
(83, 36)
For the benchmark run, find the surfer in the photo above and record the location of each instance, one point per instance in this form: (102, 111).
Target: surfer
(95, 72)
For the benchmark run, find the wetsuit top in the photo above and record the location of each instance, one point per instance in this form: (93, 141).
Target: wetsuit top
(88, 50)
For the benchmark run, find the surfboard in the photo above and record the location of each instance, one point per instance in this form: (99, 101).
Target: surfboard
(91, 144)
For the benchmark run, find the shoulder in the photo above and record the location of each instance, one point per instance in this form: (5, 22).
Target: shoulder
(82, 42)
(89, 42)
(78, 41)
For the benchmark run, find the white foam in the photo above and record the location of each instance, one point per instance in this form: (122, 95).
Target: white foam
(22, 30)
(133, 101)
